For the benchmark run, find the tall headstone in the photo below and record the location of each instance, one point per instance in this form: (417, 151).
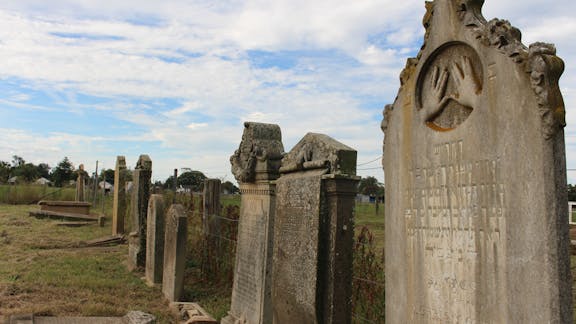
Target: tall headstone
(119, 204)
(80, 183)
(255, 165)
(314, 233)
(175, 241)
(139, 209)
(212, 209)
(155, 239)
(474, 160)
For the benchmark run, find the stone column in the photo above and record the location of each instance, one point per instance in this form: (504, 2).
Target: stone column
(80, 183)
(212, 206)
(255, 165)
(155, 239)
(139, 209)
(313, 233)
(119, 205)
(174, 252)
(340, 193)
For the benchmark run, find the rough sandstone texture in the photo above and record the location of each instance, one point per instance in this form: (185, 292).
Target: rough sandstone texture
(255, 165)
(474, 160)
(313, 233)
(155, 229)
(175, 241)
(119, 204)
(139, 209)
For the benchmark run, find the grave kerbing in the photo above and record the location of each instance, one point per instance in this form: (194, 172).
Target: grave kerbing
(474, 160)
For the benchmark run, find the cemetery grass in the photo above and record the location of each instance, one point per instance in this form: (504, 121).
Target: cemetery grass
(43, 270)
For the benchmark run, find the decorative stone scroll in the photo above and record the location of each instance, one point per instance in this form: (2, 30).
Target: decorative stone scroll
(474, 161)
(259, 154)
(251, 291)
(313, 233)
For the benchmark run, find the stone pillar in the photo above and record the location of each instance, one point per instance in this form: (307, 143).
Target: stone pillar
(340, 195)
(175, 242)
(475, 169)
(139, 209)
(212, 207)
(255, 165)
(119, 205)
(80, 183)
(155, 239)
(313, 233)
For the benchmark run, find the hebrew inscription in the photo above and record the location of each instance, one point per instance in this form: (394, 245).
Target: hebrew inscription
(454, 218)
(449, 86)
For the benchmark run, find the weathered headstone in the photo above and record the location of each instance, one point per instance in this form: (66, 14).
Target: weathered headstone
(155, 239)
(212, 208)
(314, 232)
(255, 165)
(474, 161)
(139, 209)
(175, 241)
(119, 204)
(80, 183)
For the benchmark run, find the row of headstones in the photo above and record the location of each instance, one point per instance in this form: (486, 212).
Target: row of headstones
(295, 234)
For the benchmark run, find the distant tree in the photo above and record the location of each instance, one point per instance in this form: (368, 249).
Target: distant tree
(63, 172)
(571, 192)
(107, 175)
(194, 180)
(370, 186)
(230, 187)
(43, 170)
(28, 172)
(5, 171)
(17, 161)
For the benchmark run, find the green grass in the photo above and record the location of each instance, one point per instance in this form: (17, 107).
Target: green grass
(44, 272)
(30, 194)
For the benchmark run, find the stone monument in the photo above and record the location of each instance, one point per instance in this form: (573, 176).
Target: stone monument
(255, 165)
(155, 231)
(474, 160)
(80, 183)
(212, 208)
(139, 209)
(175, 241)
(119, 204)
(314, 233)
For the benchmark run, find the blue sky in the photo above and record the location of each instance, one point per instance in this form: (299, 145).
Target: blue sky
(176, 80)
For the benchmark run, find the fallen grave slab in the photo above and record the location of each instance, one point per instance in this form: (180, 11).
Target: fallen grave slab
(133, 317)
(64, 215)
(192, 313)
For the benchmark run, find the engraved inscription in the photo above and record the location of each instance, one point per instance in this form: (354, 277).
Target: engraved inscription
(455, 225)
(449, 86)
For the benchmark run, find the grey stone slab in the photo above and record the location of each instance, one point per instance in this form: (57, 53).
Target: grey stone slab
(175, 242)
(474, 161)
(255, 164)
(155, 239)
(119, 204)
(313, 233)
(141, 178)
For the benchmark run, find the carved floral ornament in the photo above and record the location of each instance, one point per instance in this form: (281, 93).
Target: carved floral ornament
(446, 87)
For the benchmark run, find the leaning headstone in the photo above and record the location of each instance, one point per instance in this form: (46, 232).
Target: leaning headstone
(175, 241)
(314, 233)
(212, 188)
(155, 239)
(119, 204)
(255, 165)
(80, 183)
(474, 160)
(139, 209)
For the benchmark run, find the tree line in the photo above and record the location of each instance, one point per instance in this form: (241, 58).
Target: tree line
(64, 172)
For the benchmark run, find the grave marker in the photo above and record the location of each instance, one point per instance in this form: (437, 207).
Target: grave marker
(314, 232)
(474, 161)
(175, 241)
(155, 232)
(139, 209)
(119, 204)
(255, 165)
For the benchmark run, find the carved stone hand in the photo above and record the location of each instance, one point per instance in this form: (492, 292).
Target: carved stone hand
(466, 83)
